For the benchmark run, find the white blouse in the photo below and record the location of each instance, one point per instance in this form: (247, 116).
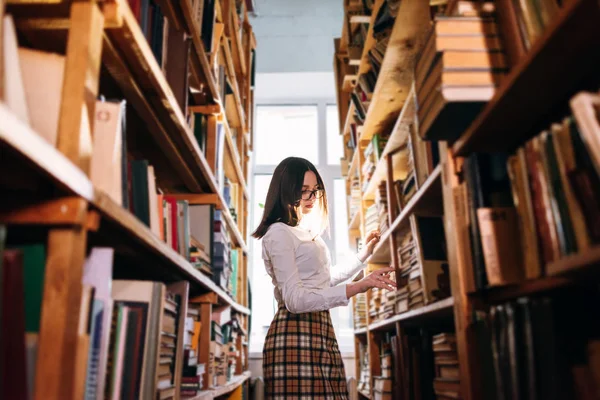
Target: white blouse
(301, 271)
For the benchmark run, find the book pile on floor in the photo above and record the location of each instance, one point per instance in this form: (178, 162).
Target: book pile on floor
(360, 311)
(446, 382)
(457, 73)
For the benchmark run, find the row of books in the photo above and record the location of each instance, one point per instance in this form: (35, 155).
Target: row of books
(456, 73)
(360, 311)
(37, 102)
(544, 348)
(144, 337)
(541, 201)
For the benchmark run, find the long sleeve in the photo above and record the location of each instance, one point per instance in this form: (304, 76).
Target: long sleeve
(280, 249)
(345, 268)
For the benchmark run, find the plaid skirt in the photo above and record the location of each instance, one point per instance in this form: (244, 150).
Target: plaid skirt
(301, 358)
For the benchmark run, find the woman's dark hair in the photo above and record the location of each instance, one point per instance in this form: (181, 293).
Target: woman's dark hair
(285, 192)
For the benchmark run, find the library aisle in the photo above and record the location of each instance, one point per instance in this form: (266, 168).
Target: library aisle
(471, 141)
(125, 136)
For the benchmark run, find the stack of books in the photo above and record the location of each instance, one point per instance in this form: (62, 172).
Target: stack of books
(168, 348)
(192, 373)
(360, 311)
(364, 381)
(410, 272)
(355, 196)
(446, 382)
(199, 258)
(382, 385)
(381, 201)
(375, 304)
(457, 72)
(388, 304)
(371, 218)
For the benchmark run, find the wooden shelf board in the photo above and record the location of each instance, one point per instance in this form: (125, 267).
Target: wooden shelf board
(144, 236)
(499, 294)
(397, 139)
(361, 331)
(431, 189)
(360, 19)
(433, 311)
(582, 262)
(396, 74)
(540, 84)
(566, 272)
(219, 391)
(18, 138)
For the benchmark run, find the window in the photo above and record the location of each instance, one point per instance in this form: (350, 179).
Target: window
(262, 289)
(284, 131)
(312, 132)
(335, 149)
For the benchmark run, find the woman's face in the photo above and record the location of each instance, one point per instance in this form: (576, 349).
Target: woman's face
(311, 190)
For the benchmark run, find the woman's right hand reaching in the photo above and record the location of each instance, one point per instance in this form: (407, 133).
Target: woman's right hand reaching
(378, 278)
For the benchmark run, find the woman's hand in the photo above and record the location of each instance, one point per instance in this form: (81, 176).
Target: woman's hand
(370, 242)
(379, 279)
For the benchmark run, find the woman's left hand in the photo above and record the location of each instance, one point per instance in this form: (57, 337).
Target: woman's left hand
(370, 242)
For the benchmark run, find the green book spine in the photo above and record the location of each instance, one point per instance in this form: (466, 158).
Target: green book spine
(34, 264)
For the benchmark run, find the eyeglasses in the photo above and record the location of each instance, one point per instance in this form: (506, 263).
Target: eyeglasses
(308, 194)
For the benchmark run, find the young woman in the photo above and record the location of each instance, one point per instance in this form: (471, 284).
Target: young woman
(301, 357)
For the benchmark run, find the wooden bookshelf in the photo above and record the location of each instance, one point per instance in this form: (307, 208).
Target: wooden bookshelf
(505, 123)
(395, 78)
(397, 140)
(427, 198)
(53, 167)
(112, 55)
(434, 311)
(534, 94)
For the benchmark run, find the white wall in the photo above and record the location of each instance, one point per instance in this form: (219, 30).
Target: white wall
(277, 87)
(296, 35)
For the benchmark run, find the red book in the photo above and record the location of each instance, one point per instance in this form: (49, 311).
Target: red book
(13, 379)
(174, 222)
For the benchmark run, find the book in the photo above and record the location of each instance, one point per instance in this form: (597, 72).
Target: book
(106, 168)
(13, 367)
(42, 74)
(13, 85)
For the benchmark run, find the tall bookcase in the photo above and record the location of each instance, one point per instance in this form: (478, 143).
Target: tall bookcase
(535, 93)
(52, 198)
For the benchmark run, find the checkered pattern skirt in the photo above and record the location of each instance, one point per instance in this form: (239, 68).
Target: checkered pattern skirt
(301, 358)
